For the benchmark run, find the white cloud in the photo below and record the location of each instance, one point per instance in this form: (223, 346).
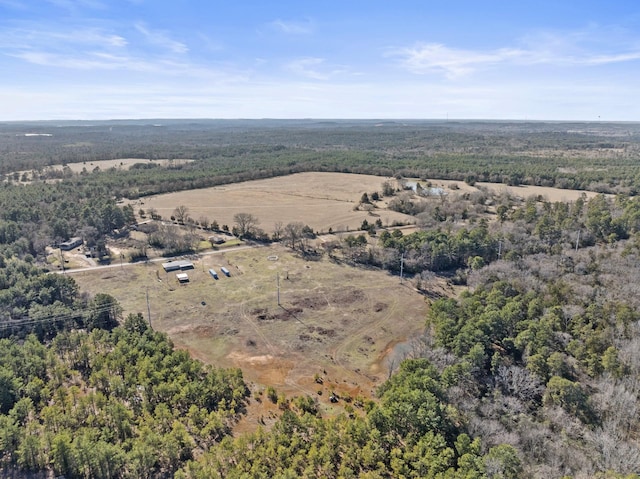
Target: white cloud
(569, 49)
(161, 39)
(15, 4)
(36, 37)
(314, 68)
(293, 27)
(306, 67)
(75, 5)
(430, 57)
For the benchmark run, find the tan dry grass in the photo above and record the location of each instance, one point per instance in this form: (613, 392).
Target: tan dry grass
(334, 320)
(547, 192)
(120, 163)
(321, 200)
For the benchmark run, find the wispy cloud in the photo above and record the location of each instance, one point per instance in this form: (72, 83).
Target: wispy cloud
(15, 4)
(161, 39)
(38, 37)
(76, 5)
(293, 27)
(314, 68)
(559, 50)
(434, 57)
(87, 49)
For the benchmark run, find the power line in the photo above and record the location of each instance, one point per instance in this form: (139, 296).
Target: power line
(54, 318)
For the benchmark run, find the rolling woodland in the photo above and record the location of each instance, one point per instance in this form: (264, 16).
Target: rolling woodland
(532, 370)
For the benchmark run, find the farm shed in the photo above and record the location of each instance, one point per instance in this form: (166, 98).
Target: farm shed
(225, 271)
(72, 243)
(177, 265)
(213, 273)
(183, 277)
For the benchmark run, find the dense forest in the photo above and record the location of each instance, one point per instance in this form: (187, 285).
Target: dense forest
(595, 156)
(530, 371)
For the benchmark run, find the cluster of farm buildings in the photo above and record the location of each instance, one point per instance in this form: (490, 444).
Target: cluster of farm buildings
(183, 265)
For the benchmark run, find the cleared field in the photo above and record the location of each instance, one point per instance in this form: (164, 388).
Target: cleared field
(321, 200)
(120, 163)
(547, 192)
(333, 320)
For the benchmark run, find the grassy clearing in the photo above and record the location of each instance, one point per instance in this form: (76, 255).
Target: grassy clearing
(334, 320)
(321, 200)
(89, 166)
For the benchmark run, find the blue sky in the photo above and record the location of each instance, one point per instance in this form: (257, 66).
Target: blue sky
(106, 59)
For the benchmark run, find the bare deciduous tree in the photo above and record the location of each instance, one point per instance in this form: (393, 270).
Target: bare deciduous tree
(293, 234)
(204, 222)
(246, 223)
(181, 213)
(278, 229)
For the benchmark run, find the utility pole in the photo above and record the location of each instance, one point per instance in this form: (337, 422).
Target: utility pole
(148, 308)
(500, 249)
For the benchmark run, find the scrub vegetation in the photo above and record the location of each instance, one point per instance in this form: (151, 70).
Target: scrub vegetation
(530, 370)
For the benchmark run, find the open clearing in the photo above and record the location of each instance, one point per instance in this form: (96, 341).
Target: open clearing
(119, 164)
(320, 200)
(335, 321)
(547, 192)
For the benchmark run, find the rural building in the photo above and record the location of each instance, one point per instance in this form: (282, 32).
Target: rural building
(183, 277)
(213, 273)
(225, 271)
(177, 265)
(72, 243)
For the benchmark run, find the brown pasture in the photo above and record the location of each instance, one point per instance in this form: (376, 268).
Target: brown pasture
(119, 164)
(320, 200)
(334, 321)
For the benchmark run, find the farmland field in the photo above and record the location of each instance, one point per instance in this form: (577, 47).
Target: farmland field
(334, 320)
(321, 200)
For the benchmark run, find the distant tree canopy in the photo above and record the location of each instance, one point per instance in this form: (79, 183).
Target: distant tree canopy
(530, 372)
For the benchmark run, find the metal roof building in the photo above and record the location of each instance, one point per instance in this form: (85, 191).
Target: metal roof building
(177, 265)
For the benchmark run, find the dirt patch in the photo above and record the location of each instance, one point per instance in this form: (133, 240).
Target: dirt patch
(378, 307)
(334, 320)
(310, 302)
(348, 296)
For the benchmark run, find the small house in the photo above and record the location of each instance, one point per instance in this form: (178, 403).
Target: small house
(72, 243)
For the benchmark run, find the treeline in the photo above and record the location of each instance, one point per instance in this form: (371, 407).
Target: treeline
(113, 404)
(412, 431)
(578, 156)
(38, 215)
(542, 354)
(33, 301)
(454, 235)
